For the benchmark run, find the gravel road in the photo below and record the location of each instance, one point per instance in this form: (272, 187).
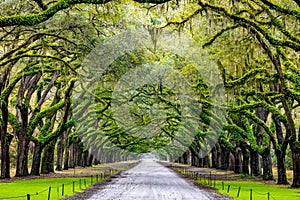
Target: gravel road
(150, 181)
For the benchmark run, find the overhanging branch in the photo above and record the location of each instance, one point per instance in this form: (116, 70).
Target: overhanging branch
(34, 19)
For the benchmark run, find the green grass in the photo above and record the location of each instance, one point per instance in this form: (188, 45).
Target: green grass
(259, 190)
(38, 188)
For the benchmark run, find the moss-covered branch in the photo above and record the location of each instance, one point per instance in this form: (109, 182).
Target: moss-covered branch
(243, 79)
(194, 14)
(41, 115)
(260, 122)
(34, 19)
(275, 111)
(14, 122)
(247, 22)
(219, 33)
(280, 26)
(280, 9)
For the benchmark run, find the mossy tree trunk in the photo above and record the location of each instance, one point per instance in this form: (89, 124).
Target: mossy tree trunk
(66, 157)
(5, 170)
(296, 165)
(25, 92)
(280, 153)
(237, 161)
(245, 164)
(267, 164)
(22, 155)
(48, 159)
(254, 163)
(72, 152)
(36, 161)
(60, 152)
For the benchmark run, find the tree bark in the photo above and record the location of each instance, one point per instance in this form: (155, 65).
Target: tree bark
(36, 161)
(90, 160)
(214, 158)
(280, 153)
(26, 89)
(267, 165)
(231, 162)
(282, 179)
(66, 157)
(237, 162)
(5, 169)
(245, 164)
(71, 163)
(60, 152)
(48, 159)
(254, 163)
(22, 155)
(296, 166)
(224, 158)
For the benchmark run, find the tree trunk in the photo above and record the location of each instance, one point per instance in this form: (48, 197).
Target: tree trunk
(96, 161)
(205, 161)
(4, 137)
(282, 179)
(36, 161)
(214, 158)
(22, 155)
(245, 164)
(267, 165)
(280, 153)
(60, 152)
(48, 159)
(237, 162)
(71, 163)
(5, 171)
(231, 162)
(85, 156)
(66, 158)
(224, 159)
(79, 156)
(185, 158)
(67, 150)
(90, 160)
(296, 166)
(193, 158)
(254, 163)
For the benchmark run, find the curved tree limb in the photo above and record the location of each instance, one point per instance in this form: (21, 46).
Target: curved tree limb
(280, 9)
(34, 19)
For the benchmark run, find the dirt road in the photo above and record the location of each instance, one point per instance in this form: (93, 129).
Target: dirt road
(150, 181)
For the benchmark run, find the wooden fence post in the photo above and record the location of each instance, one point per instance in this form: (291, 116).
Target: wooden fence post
(228, 188)
(49, 193)
(238, 194)
(63, 190)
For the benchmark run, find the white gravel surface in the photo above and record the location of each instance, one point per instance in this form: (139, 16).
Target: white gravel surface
(150, 180)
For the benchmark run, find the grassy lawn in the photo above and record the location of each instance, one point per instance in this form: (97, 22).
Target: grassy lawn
(259, 190)
(39, 188)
